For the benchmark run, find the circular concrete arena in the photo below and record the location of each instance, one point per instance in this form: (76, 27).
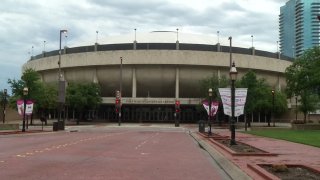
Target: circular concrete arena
(157, 70)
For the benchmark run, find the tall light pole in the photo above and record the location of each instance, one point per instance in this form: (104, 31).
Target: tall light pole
(97, 32)
(296, 108)
(44, 46)
(25, 94)
(252, 41)
(177, 34)
(209, 114)
(120, 109)
(272, 91)
(4, 104)
(218, 36)
(61, 92)
(59, 63)
(233, 76)
(230, 50)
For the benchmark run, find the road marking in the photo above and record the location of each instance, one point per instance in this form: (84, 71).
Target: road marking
(2, 161)
(29, 153)
(18, 155)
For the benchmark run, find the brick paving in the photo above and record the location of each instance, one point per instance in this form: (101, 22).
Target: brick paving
(288, 152)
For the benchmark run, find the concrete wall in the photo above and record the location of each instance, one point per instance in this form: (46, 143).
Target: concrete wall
(158, 73)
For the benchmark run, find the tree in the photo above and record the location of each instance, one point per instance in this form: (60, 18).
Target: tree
(303, 79)
(215, 83)
(259, 96)
(83, 97)
(309, 103)
(43, 95)
(47, 99)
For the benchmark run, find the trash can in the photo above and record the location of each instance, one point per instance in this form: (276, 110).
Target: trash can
(55, 126)
(60, 125)
(202, 126)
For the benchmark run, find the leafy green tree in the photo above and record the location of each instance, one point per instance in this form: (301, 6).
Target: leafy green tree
(215, 83)
(303, 79)
(47, 99)
(259, 96)
(83, 97)
(250, 81)
(309, 103)
(43, 95)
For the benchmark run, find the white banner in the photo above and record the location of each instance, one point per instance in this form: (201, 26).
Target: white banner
(29, 107)
(240, 100)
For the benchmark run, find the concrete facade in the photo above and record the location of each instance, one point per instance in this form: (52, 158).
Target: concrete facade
(156, 73)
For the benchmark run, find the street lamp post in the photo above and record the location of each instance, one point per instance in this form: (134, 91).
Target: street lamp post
(61, 92)
(25, 93)
(4, 104)
(230, 50)
(296, 108)
(233, 76)
(120, 109)
(209, 114)
(252, 41)
(272, 91)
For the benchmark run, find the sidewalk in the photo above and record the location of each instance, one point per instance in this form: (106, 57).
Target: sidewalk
(286, 153)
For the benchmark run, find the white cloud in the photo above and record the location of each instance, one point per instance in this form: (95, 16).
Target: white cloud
(24, 24)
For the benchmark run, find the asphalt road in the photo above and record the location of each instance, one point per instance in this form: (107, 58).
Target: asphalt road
(100, 152)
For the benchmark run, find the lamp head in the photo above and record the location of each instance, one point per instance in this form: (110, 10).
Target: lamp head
(233, 72)
(5, 92)
(63, 31)
(272, 91)
(25, 91)
(210, 92)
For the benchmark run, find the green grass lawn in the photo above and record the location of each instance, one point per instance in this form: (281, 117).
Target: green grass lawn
(309, 137)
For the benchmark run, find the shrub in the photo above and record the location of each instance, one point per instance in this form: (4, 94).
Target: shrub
(279, 168)
(297, 122)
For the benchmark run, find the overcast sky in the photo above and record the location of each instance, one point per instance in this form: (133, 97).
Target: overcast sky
(28, 23)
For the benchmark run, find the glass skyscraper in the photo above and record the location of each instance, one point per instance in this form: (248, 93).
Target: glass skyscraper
(299, 26)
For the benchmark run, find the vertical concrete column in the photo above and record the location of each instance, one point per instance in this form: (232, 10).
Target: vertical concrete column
(177, 45)
(134, 83)
(253, 51)
(219, 74)
(279, 85)
(96, 46)
(95, 77)
(134, 45)
(63, 77)
(177, 83)
(41, 77)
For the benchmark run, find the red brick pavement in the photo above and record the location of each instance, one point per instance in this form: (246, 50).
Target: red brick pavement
(288, 152)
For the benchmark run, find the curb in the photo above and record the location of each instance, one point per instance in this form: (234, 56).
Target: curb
(231, 169)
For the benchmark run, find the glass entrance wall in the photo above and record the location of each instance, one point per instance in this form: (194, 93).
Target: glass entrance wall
(151, 113)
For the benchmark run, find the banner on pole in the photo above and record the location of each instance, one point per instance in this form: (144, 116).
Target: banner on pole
(240, 100)
(214, 107)
(29, 107)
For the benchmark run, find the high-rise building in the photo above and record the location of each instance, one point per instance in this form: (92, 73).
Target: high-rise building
(299, 26)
